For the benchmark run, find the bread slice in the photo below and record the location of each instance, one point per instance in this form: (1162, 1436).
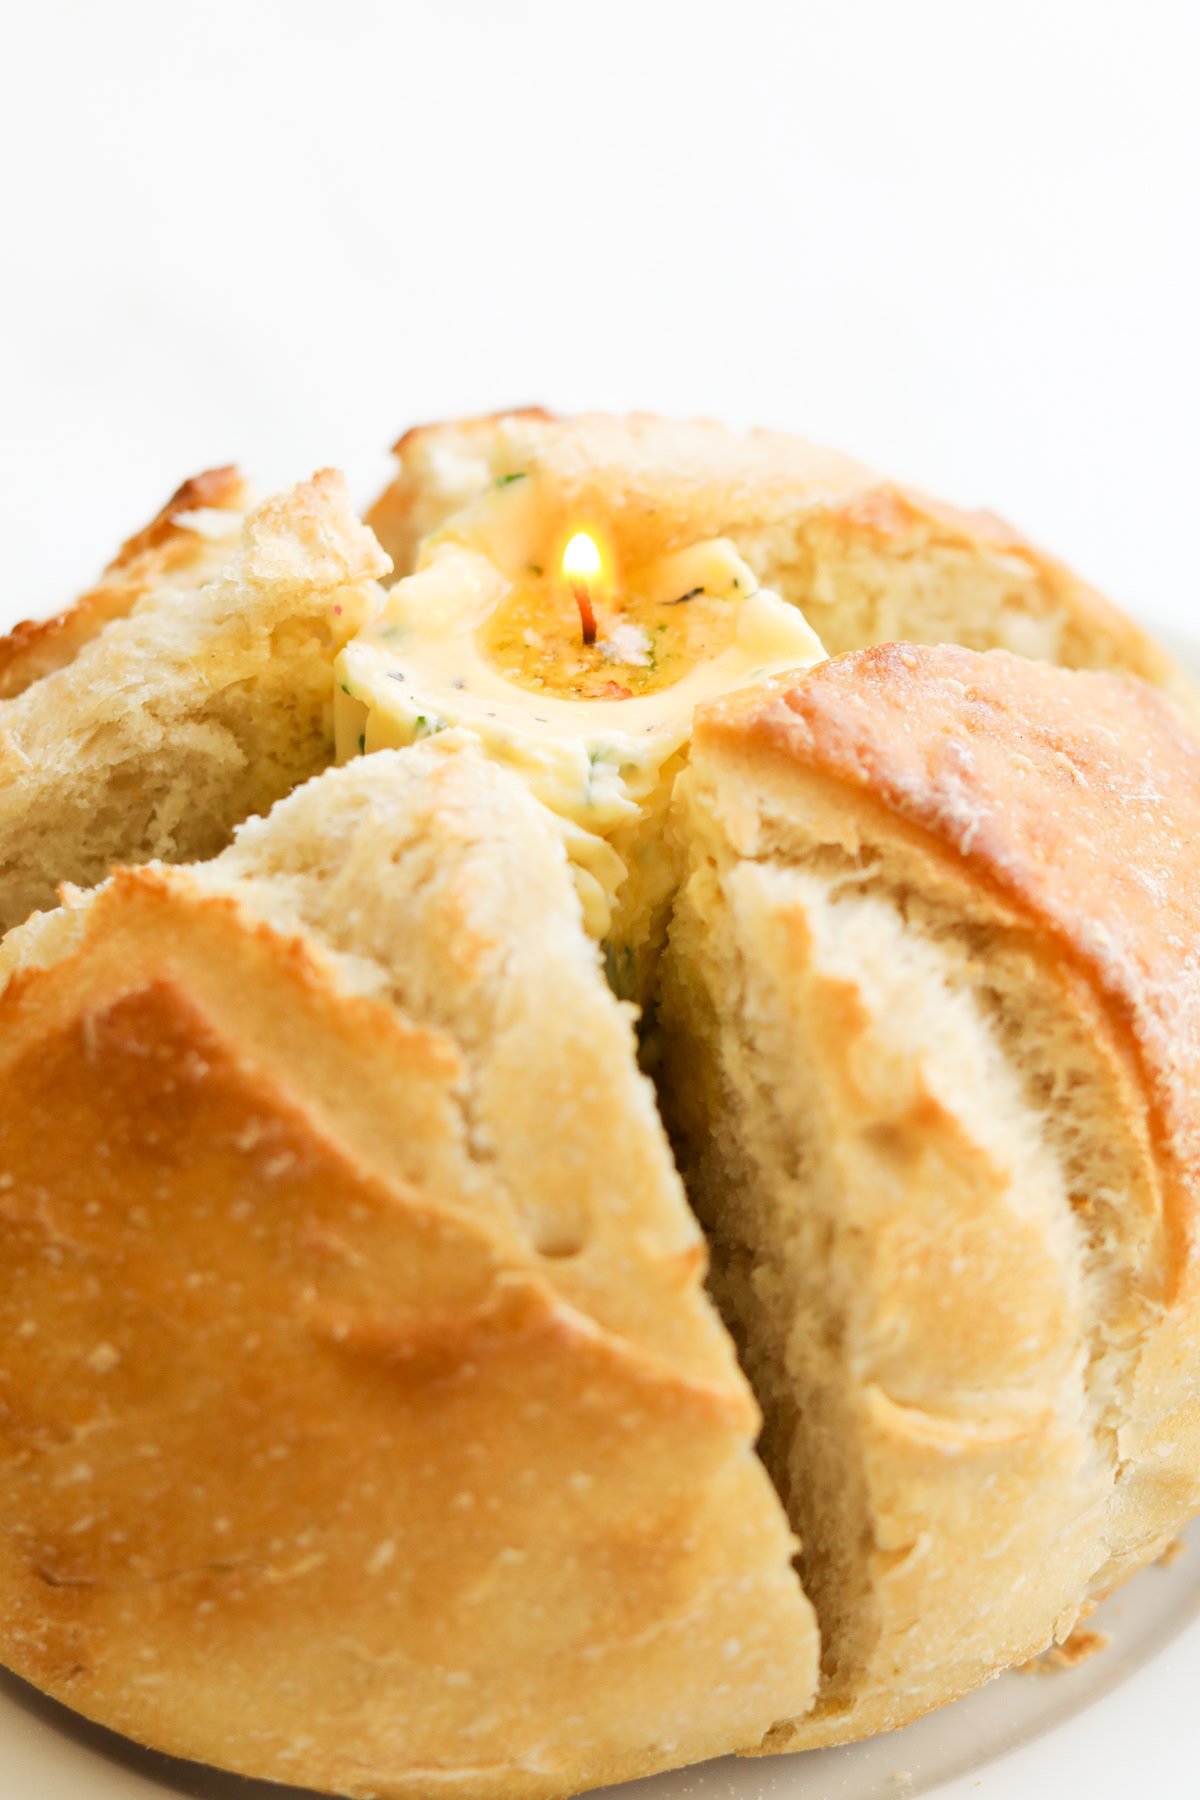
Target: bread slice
(931, 1045)
(191, 688)
(867, 560)
(365, 1425)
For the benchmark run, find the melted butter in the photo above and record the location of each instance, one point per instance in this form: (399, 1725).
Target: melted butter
(485, 639)
(672, 616)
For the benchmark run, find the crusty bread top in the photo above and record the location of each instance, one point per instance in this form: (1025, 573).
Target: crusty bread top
(678, 479)
(1075, 797)
(802, 515)
(173, 547)
(668, 482)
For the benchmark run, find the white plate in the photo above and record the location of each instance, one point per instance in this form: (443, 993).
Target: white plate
(1123, 1721)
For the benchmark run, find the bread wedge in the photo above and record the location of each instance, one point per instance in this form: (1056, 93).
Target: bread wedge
(930, 1051)
(868, 561)
(191, 688)
(365, 1423)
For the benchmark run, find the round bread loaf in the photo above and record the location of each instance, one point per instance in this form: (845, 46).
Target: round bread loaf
(364, 1421)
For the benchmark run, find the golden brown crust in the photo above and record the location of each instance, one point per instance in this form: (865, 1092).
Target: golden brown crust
(168, 548)
(223, 489)
(1076, 796)
(809, 521)
(308, 1466)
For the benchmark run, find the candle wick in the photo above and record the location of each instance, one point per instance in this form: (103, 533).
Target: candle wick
(587, 617)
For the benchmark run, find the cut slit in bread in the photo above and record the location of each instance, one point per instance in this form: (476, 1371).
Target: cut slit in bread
(914, 1068)
(191, 689)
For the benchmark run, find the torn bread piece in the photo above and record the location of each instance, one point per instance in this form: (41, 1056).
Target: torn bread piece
(191, 689)
(366, 1425)
(867, 560)
(930, 1048)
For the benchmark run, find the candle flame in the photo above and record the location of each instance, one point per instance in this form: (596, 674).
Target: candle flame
(581, 563)
(581, 559)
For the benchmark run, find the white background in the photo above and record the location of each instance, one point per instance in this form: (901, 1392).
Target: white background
(955, 237)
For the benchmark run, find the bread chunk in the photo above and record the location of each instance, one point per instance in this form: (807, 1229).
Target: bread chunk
(365, 1422)
(191, 689)
(930, 1044)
